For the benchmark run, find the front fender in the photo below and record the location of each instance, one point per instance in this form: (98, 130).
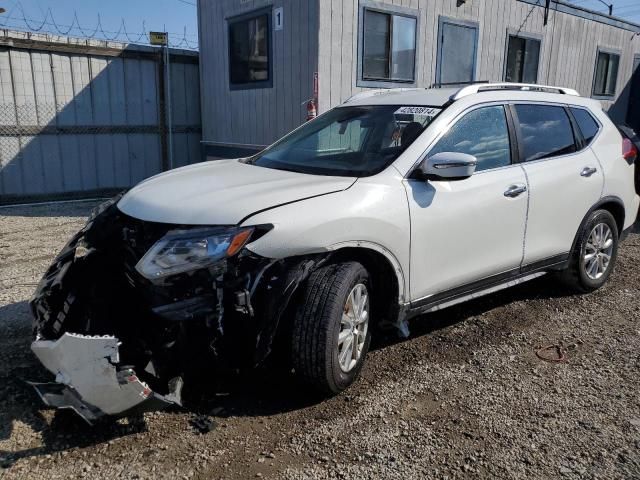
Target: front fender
(371, 214)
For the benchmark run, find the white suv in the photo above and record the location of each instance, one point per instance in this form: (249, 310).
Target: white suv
(394, 204)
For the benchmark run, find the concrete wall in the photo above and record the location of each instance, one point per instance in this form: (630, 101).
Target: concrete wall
(82, 117)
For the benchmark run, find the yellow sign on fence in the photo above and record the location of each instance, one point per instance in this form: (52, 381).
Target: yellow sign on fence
(158, 38)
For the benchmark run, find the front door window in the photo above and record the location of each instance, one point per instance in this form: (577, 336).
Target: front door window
(482, 133)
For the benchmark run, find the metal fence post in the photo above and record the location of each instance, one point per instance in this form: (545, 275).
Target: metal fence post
(169, 112)
(162, 119)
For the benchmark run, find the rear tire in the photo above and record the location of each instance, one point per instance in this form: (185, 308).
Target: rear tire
(334, 311)
(594, 254)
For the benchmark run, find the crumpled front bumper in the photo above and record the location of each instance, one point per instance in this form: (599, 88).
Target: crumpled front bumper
(90, 381)
(117, 342)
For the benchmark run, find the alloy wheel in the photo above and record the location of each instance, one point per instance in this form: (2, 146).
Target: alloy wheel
(598, 251)
(353, 328)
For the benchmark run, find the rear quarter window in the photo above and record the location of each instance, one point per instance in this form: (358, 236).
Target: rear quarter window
(587, 124)
(546, 131)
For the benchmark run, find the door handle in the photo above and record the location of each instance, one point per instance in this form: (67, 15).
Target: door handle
(588, 171)
(515, 190)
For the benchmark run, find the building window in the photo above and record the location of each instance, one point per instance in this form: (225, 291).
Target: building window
(250, 50)
(389, 46)
(604, 84)
(457, 52)
(523, 56)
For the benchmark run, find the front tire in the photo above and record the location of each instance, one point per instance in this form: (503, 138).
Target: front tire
(331, 333)
(594, 255)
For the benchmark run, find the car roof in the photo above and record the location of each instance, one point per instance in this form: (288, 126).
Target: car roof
(482, 92)
(433, 97)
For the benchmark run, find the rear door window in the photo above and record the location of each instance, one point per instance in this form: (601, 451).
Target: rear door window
(588, 126)
(545, 131)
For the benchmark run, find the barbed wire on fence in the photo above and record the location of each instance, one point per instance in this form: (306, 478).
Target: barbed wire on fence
(49, 25)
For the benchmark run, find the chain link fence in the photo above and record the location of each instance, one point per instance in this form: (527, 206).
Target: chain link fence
(76, 124)
(47, 149)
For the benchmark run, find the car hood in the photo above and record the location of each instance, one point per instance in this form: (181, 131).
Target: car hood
(222, 192)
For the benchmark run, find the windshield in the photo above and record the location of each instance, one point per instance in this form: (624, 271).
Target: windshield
(349, 141)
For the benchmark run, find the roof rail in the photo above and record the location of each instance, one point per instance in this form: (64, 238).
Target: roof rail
(478, 87)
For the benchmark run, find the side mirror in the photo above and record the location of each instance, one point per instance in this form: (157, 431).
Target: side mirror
(449, 166)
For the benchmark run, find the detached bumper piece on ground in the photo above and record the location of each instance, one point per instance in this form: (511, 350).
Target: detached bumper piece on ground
(90, 379)
(119, 343)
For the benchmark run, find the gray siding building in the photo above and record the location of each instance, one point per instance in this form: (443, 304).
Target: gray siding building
(262, 60)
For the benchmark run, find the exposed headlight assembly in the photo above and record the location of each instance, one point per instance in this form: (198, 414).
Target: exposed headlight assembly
(182, 251)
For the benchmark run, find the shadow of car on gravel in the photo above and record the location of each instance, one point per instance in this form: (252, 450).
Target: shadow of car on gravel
(546, 287)
(24, 420)
(270, 391)
(262, 392)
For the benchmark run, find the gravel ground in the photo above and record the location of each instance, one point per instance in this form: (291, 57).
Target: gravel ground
(465, 396)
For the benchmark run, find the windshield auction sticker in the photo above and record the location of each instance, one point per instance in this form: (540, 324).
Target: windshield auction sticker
(427, 111)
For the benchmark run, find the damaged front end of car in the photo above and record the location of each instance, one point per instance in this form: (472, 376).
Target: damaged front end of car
(130, 309)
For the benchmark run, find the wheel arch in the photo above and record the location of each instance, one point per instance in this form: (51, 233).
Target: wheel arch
(387, 275)
(613, 205)
(368, 252)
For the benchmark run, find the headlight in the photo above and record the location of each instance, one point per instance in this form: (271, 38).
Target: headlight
(185, 250)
